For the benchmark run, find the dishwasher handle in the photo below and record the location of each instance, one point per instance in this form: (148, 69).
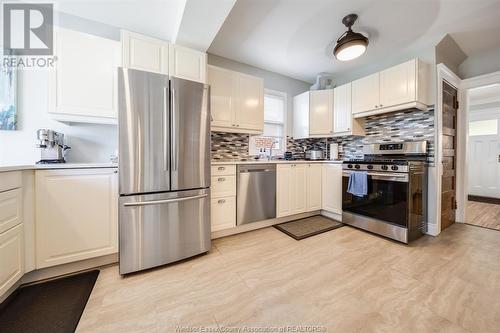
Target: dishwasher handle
(256, 168)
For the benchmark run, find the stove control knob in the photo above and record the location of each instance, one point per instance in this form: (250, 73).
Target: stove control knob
(385, 167)
(370, 167)
(357, 166)
(349, 166)
(394, 168)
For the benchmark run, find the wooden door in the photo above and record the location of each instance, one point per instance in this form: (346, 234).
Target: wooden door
(366, 93)
(249, 114)
(448, 180)
(321, 112)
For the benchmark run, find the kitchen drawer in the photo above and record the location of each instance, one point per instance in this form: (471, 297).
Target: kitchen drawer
(223, 213)
(10, 180)
(223, 186)
(223, 170)
(11, 257)
(10, 209)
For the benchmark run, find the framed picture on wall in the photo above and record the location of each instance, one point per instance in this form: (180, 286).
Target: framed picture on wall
(8, 98)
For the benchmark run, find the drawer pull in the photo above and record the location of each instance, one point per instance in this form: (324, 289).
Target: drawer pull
(221, 179)
(221, 201)
(221, 168)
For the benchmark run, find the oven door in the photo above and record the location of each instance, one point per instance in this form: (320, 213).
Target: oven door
(387, 198)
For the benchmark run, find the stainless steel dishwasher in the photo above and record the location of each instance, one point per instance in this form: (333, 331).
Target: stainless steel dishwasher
(256, 193)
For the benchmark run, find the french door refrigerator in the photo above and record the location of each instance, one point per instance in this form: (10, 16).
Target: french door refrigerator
(164, 169)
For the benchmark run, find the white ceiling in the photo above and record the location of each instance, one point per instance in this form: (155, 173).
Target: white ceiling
(155, 18)
(296, 37)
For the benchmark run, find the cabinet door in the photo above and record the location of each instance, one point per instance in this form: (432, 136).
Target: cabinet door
(398, 84)
(249, 114)
(187, 63)
(76, 215)
(299, 188)
(314, 187)
(223, 86)
(223, 213)
(144, 53)
(342, 112)
(321, 112)
(10, 209)
(365, 94)
(84, 83)
(301, 116)
(332, 188)
(11, 257)
(283, 190)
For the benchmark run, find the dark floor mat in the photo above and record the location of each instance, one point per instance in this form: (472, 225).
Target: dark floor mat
(303, 228)
(54, 306)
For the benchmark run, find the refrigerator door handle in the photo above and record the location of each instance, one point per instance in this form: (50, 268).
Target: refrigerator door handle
(165, 129)
(174, 130)
(159, 202)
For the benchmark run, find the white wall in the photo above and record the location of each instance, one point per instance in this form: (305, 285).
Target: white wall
(89, 142)
(272, 81)
(479, 64)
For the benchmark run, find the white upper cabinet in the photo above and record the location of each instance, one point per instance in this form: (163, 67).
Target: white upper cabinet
(250, 111)
(144, 53)
(400, 87)
(237, 101)
(83, 85)
(397, 84)
(301, 116)
(321, 113)
(187, 63)
(366, 93)
(155, 55)
(343, 122)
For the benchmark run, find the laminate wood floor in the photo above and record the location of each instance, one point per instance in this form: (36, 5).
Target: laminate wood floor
(483, 215)
(345, 280)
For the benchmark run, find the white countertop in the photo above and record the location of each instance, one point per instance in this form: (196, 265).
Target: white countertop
(274, 162)
(5, 168)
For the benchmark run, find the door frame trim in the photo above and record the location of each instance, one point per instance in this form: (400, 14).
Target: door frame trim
(435, 176)
(463, 138)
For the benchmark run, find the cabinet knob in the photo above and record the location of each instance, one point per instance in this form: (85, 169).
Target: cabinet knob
(221, 168)
(381, 105)
(221, 201)
(221, 179)
(376, 106)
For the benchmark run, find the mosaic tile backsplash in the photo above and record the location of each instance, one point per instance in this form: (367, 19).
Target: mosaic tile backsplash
(407, 125)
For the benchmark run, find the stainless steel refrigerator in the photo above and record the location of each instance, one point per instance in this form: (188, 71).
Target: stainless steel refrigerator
(164, 168)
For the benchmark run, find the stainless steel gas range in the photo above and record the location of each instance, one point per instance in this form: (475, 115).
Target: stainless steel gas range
(395, 204)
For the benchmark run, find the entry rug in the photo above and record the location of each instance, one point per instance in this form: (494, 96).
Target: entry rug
(54, 306)
(308, 227)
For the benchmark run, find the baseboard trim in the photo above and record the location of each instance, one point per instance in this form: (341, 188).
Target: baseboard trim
(432, 230)
(331, 215)
(478, 198)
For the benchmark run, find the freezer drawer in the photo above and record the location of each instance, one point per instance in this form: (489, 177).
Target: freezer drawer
(157, 229)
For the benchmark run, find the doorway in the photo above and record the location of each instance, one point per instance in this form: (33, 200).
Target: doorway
(483, 155)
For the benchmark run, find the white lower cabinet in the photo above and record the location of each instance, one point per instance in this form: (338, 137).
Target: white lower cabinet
(11, 257)
(223, 194)
(76, 215)
(298, 188)
(314, 187)
(332, 188)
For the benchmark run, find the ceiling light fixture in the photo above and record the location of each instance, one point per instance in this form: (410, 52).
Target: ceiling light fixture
(351, 44)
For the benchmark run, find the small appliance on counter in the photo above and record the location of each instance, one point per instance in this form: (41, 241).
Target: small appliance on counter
(288, 155)
(334, 151)
(315, 155)
(52, 147)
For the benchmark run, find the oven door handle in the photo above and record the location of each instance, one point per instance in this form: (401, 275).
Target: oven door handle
(400, 177)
